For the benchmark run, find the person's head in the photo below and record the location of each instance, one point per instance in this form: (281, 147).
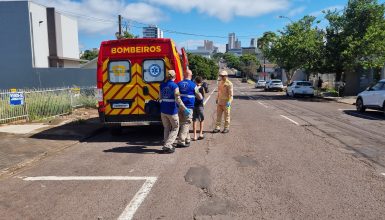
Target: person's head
(187, 74)
(198, 80)
(171, 75)
(223, 75)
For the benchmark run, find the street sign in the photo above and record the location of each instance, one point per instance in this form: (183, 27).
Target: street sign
(16, 98)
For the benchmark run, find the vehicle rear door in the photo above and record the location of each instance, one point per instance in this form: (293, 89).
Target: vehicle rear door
(153, 73)
(371, 96)
(119, 73)
(379, 94)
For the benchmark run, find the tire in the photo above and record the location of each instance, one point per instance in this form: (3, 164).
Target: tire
(383, 108)
(360, 105)
(287, 94)
(311, 96)
(293, 94)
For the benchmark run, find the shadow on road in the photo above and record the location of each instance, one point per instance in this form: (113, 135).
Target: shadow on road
(134, 150)
(76, 130)
(371, 115)
(279, 96)
(140, 140)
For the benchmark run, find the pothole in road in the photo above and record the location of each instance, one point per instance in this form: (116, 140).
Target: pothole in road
(213, 207)
(199, 177)
(245, 161)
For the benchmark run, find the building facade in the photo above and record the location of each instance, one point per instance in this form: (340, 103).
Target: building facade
(152, 32)
(36, 41)
(231, 43)
(50, 37)
(253, 42)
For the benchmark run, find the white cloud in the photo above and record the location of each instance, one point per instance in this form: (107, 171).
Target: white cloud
(106, 12)
(320, 12)
(296, 11)
(226, 9)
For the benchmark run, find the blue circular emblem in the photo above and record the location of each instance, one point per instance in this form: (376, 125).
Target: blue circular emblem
(155, 70)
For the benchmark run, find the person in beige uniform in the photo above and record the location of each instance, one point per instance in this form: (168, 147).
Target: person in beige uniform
(224, 100)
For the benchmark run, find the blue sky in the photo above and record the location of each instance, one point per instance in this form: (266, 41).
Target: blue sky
(247, 18)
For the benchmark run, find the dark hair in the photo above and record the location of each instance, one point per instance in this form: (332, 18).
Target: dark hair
(198, 79)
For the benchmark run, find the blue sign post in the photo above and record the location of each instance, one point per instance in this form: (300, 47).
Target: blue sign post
(16, 98)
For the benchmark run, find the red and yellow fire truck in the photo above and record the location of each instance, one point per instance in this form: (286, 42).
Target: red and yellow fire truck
(129, 74)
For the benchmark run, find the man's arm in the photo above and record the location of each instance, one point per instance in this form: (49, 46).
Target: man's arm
(198, 95)
(178, 99)
(231, 92)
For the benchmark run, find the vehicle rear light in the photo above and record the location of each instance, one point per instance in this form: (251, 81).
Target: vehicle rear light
(101, 107)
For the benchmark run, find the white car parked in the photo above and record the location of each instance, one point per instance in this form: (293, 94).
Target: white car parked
(300, 88)
(260, 84)
(274, 84)
(372, 98)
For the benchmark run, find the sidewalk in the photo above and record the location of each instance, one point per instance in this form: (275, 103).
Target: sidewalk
(24, 144)
(351, 100)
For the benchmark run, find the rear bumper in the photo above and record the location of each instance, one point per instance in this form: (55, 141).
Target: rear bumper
(129, 120)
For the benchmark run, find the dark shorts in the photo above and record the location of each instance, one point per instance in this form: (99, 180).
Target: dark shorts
(198, 114)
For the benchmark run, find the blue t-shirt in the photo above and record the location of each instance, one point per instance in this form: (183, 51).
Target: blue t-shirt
(168, 105)
(187, 92)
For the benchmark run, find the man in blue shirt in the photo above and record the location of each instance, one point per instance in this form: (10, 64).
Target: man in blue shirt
(170, 100)
(188, 92)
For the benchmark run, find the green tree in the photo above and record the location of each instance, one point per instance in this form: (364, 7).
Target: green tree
(204, 67)
(249, 64)
(356, 36)
(335, 44)
(232, 61)
(128, 35)
(299, 46)
(89, 54)
(265, 43)
(217, 56)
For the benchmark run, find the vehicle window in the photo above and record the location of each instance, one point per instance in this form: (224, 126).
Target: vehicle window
(276, 81)
(378, 86)
(383, 86)
(304, 84)
(119, 71)
(153, 70)
(290, 84)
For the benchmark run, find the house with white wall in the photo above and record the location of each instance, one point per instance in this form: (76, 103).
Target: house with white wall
(36, 41)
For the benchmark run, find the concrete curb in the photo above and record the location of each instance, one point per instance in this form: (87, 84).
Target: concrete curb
(339, 100)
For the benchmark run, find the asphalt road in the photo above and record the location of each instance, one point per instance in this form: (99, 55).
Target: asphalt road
(284, 158)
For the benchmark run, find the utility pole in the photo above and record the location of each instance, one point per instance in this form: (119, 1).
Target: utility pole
(120, 25)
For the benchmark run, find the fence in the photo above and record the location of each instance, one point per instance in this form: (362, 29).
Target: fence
(33, 105)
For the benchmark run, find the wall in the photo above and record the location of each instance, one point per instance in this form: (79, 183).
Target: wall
(299, 75)
(67, 36)
(39, 33)
(15, 44)
(53, 77)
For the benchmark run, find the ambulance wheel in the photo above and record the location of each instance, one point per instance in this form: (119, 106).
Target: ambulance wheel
(116, 130)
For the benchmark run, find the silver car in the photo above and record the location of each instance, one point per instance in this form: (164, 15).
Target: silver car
(260, 84)
(275, 84)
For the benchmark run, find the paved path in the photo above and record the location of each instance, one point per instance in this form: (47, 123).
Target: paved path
(283, 159)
